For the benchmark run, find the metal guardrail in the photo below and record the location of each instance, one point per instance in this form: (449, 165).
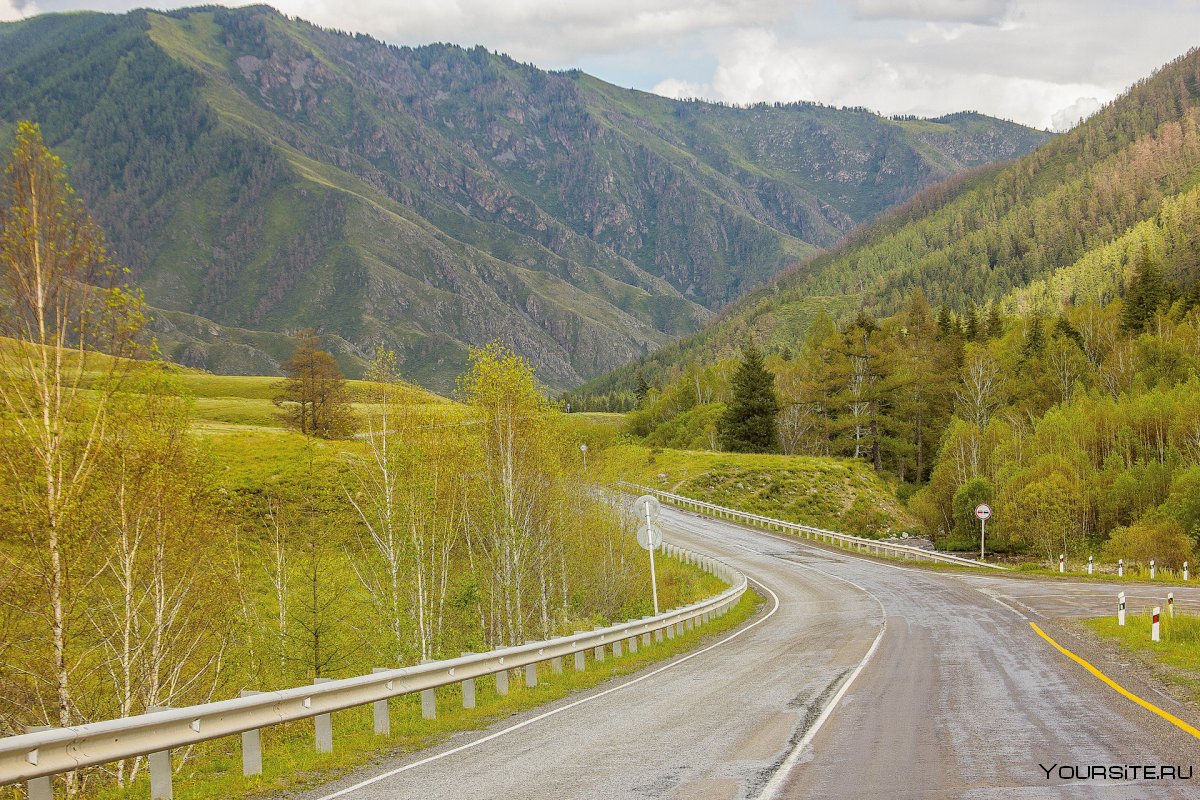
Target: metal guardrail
(860, 543)
(34, 757)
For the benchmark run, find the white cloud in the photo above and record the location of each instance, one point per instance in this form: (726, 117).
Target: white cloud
(16, 9)
(1068, 117)
(978, 12)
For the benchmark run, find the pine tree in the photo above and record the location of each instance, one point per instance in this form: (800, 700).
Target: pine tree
(748, 424)
(314, 396)
(641, 388)
(1035, 337)
(1145, 294)
(995, 322)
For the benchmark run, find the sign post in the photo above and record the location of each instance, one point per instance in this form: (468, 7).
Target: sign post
(982, 511)
(649, 535)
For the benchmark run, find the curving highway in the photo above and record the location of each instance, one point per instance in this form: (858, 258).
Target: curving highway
(859, 679)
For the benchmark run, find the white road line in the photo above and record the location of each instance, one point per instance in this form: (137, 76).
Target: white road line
(774, 785)
(560, 709)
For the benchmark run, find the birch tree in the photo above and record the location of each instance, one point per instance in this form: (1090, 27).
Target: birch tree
(62, 299)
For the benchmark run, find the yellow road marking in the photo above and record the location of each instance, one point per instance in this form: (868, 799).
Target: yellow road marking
(1171, 718)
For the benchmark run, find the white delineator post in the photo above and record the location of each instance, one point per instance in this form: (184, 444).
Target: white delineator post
(1185, 566)
(1120, 568)
(1089, 565)
(1121, 608)
(1062, 562)
(1154, 625)
(1171, 605)
(1152, 569)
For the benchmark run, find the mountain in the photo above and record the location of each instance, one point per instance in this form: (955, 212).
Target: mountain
(1071, 222)
(259, 174)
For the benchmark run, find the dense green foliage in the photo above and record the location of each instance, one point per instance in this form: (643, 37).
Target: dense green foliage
(261, 175)
(1080, 432)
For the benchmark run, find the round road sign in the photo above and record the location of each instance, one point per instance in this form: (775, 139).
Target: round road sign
(646, 506)
(983, 511)
(649, 536)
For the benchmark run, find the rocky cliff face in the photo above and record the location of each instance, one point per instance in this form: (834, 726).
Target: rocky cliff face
(264, 174)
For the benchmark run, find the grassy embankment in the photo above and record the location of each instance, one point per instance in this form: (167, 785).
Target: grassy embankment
(214, 770)
(1175, 659)
(840, 494)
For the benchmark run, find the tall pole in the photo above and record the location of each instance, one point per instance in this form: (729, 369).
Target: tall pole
(653, 579)
(982, 535)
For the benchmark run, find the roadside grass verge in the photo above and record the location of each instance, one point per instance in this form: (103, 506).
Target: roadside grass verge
(1104, 573)
(1176, 658)
(213, 770)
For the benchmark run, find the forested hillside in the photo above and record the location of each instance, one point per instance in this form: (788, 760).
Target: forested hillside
(1067, 223)
(258, 175)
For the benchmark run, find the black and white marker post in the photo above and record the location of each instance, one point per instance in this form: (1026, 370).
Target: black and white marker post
(1121, 609)
(1154, 625)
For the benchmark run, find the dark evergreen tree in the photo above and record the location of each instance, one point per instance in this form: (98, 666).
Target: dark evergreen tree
(1035, 337)
(641, 388)
(748, 424)
(995, 322)
(973, 328)
(1144, 296)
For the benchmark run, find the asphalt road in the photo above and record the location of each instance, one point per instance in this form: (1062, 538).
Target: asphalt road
(942, 690)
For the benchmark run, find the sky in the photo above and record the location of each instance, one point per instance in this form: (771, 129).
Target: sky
(1045, 63)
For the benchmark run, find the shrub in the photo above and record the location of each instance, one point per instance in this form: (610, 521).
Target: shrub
(1163, 540)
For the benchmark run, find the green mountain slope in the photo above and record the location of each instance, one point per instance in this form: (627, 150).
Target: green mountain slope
(1070, 222)
(259, 174)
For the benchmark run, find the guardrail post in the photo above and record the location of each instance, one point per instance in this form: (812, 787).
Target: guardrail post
(646, 639)
(580, 656)
(598, 652)
(556, 665)
(617, 649)
(324, 726)
(658, 634)
(468, 690)
(531, 675)
(160, 768)
(633, 644)
(380, 717)
(39, 788)
(671, 631)
(428, 704)
(251, 746)
(502, 682)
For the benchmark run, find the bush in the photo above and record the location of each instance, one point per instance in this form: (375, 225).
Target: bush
(1163, 540)
(968, 496)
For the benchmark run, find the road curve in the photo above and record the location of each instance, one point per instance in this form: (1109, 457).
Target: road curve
(960, 698)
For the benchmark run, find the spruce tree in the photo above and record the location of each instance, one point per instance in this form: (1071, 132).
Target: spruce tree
(748, 424)
(1143, 297)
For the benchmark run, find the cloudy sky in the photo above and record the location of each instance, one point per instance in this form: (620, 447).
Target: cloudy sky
(1041, 62)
